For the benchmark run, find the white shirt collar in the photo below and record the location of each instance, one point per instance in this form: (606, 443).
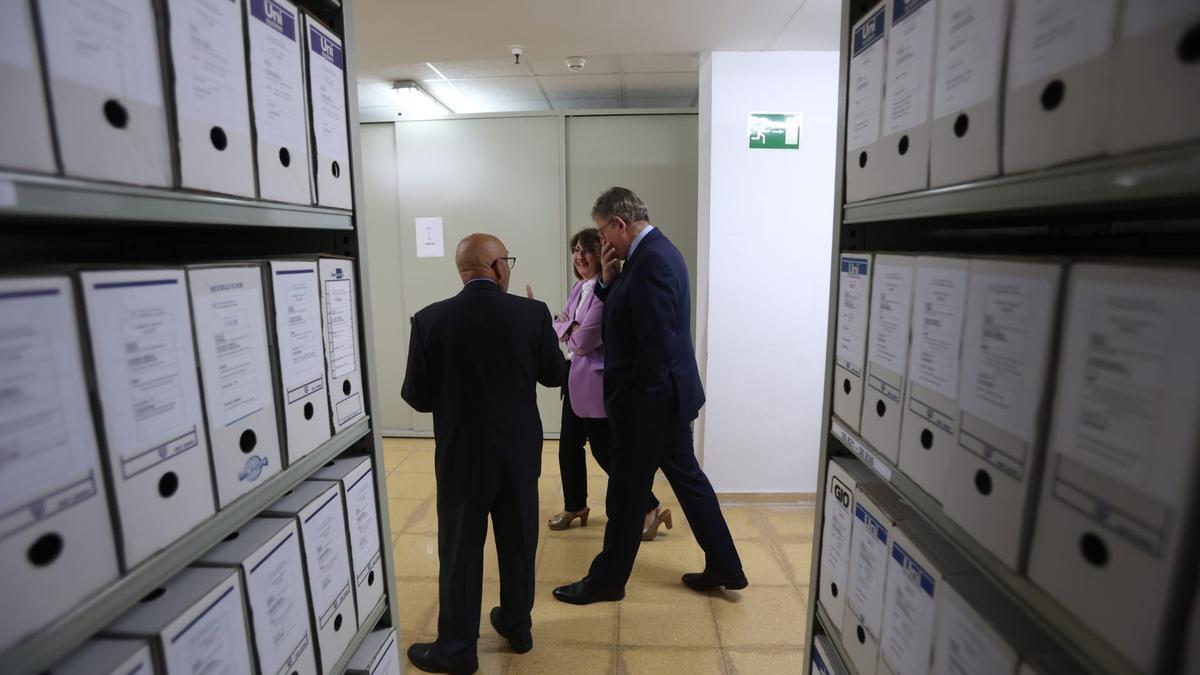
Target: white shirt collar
(638, 239)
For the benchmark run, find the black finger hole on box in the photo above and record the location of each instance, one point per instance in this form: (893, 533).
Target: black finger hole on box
(248, 440)
(862, 159)
(833, 588)
(337, 622)
(983, 482)
(371, 578)
(232, 535)
(168, 485)
(154, 594)
(846, 385)
(336, 169)
(1189, 45)
(861, 635)
(961, 124)
(1052, 95)
(903, 145)
(346, 387)
(308, 411)
(45, 549)
(285, 157)
(330, 463)
(219, 140)
(880, 408)
(116, 114)
(926, 439)
(1094, 550)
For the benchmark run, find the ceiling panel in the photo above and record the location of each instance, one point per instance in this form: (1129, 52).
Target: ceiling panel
(596, 65)
(586, 104)
(486, 89)
(815, 27)
(499, 67)
(516, 106)
(581, 86)
(369, 97)
(661, 85)
(660, 63)
(663, 102)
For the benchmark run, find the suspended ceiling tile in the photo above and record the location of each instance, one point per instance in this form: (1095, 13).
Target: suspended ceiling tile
(516, 106)
(483, 90)
(454, 70)
(661, 85)
(661, 63)
(816, 27)
(581, 86)
(596, 65)
(586, 104)
(369, 97)
(663, 102)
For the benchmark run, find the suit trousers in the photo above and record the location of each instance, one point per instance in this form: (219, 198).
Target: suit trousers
(572, 463)
(659, 439)
(462, 534)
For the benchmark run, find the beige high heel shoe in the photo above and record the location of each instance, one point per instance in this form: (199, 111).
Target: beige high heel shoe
(562, 521)
(664, 516)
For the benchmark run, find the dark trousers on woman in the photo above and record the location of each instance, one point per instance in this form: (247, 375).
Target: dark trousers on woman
(572, 462)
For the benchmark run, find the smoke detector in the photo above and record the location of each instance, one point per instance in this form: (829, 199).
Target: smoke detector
(576, 63)
(516, 51)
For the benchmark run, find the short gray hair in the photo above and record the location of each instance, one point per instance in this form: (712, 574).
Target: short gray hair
(619, 202)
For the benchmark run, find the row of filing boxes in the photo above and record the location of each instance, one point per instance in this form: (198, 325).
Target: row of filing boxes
(244, 97)
(949, 91)
(1048, 408)
(279, 595)
(162, 397)
(903, 601)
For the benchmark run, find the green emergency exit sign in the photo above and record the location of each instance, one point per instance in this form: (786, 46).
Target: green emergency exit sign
(775, 131)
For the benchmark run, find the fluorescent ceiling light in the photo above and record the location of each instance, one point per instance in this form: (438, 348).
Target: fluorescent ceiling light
(415, 102)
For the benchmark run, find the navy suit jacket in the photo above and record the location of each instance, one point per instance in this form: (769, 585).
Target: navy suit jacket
(649, 361)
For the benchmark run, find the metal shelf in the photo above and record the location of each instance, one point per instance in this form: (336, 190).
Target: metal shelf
(63, 199)
(831, 630)
(1088, 650)
(53, 642)
(1162, 175)
(364, 629)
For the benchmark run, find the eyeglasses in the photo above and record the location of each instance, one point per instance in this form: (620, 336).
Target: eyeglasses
(610, 222)
(512, 262)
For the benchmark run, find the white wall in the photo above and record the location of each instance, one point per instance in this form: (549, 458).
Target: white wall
(765, 228)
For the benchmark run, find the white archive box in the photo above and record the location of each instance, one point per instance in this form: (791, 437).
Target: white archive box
(296, 317)
(330, 126)
(101, 656)
(195, 623)
(1058, 79)
(854, 306)
(140, 332)
(317, 508)
(56, 537)
(824, 657)
(230, 320)
(844, 476)
(887, 352)
(212, 102)
(379, 654)
(357, 480)
(266, 551)
(1121, 452)
(339, 317)
(968, 91)
(25, 141)
(877, 513)
(106, 89)
(918, 562)
(929, 428)
(1154, 97)
(970, 642)
(1008, 346)
(864, 114)
(277, 90)
(908, 95)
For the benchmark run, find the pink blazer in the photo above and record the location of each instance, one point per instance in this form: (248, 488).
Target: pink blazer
(582, 337)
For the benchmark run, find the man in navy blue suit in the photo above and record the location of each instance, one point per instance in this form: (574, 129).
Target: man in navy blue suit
(652, 393)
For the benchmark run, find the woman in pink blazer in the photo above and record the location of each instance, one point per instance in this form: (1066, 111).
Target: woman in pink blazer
(583, 417)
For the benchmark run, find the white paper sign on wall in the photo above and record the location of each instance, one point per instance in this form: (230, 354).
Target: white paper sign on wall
(429, 238)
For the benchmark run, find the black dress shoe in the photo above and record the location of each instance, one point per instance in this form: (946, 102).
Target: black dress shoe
(707, 581)
(583, 593)
(425, 657)
(520, 641)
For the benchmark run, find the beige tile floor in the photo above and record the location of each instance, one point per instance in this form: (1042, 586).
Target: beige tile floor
(660, 628)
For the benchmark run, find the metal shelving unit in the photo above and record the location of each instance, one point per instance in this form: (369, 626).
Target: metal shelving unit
(51, 220)
(1145, 203)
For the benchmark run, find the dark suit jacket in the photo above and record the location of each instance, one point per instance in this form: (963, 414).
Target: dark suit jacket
(649, 361)
(474, 361)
